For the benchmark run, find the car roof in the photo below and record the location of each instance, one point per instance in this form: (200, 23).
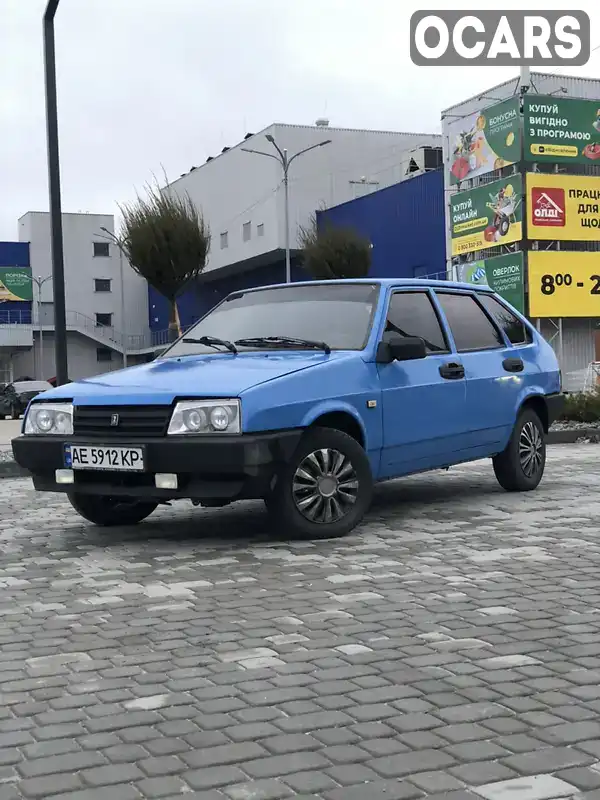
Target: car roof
(384, 282)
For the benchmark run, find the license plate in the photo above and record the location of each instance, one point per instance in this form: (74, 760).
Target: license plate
(84, 456)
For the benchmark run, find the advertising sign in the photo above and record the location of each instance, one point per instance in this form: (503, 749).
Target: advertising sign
(564, 284)
(503, 274)
(15, 284)
(485, 141)
(487, 216)
(563, 207)
(563, 130)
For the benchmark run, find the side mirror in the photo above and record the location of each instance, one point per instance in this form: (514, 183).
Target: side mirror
(401, 348)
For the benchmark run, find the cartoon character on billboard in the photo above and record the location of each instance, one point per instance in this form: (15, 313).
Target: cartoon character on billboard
(504, 205)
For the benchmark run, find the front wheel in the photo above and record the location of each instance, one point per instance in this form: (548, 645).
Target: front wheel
(520, 467)
(325, 489)
(108, 512)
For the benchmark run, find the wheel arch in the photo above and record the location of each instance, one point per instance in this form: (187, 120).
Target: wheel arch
(537, 403)
(343, 418)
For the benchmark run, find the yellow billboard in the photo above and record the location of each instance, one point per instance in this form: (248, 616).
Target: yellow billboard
(564, 284)
(563, 207)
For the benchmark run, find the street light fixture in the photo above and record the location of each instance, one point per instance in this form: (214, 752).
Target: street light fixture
(285, 161)
(56, 233)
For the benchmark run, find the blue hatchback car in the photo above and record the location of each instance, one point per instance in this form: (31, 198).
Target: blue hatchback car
(304, 395)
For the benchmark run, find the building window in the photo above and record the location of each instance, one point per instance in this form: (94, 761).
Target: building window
(101, 250)
(104, 320)
(104, 354)
(246, 231)
(102, 285)
(224, 241)
(260, 229)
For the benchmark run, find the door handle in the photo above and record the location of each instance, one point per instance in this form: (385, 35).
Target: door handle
(513, 365)
(452, 371)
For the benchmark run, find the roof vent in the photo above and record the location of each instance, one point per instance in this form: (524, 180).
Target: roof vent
(322, 122)
(225, 149)
(210, 158)
(248, 136)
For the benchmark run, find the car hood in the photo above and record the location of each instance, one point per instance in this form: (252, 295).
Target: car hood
(164, 380)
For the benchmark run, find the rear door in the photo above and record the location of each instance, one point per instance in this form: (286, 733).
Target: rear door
(424, 401)
(494, 380)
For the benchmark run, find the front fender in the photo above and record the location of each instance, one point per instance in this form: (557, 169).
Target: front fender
(332, 406)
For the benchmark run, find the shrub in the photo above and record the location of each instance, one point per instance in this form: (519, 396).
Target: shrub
(582, 407)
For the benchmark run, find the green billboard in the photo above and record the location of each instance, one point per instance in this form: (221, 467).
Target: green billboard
(485, 141)
(15, 284)
(487, 216)
(562, 130)
(503, 274)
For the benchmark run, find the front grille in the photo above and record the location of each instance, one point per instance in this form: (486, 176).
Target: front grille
(134, 422)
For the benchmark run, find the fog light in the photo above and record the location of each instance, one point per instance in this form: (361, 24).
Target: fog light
(64, 476)
(165, 480)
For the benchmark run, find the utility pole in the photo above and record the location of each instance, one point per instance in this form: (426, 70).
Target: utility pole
(39, 282)
(58, 264)
(285, 161)
(117, 243)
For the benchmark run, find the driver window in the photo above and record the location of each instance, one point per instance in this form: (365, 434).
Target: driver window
(413, 314)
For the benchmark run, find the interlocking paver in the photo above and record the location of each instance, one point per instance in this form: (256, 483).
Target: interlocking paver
(446, 649)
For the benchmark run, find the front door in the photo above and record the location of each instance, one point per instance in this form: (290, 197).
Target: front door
(424, 401)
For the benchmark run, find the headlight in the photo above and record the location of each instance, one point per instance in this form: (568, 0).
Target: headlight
(206, 416)
(49, 418)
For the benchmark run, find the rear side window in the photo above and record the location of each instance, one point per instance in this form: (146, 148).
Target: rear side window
(515, 331)
(413, 314)
(470, 326)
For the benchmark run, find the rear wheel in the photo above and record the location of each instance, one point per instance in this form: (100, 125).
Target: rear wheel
(520, 467)
(111, 511)
(325, 489)
(15, 412)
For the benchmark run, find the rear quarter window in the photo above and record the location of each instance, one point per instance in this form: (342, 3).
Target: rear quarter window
(513, 328)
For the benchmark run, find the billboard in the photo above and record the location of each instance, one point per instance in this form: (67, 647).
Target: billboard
(15, 284)
(564, 284)
(563, 130)
(563, 207)
(503, 274)
(484, 141)
(487, 216)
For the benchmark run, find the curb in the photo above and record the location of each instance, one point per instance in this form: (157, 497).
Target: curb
(10, 469)
(573, 436)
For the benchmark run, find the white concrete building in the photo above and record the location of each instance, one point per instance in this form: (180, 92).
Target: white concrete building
(241, 194)
(105, 314)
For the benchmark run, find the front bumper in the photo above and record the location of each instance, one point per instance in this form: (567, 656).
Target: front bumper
(216, 467)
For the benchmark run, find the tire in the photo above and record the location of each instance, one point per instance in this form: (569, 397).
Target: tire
(301, 507)
(14, 412)
(514, 472)
(108, 512)
(504, 226)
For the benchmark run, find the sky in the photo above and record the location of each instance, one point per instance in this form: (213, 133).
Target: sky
(150, 87)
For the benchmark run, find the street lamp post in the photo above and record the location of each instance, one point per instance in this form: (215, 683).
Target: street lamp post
(39, 282)
(115, 241)
(285, 161)
(58, 264)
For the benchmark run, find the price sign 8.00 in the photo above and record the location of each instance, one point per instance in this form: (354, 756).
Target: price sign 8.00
(564, 284)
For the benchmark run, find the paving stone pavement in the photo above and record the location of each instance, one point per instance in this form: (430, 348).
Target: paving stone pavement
(449, 649)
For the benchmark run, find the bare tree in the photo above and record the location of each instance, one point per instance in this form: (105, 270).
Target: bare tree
(167, 241)
(332, 252)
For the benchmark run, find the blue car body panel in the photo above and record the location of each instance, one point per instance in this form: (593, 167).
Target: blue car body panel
(410, 417)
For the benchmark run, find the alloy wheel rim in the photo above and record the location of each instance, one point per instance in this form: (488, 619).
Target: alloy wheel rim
(530, 449)
(325, 486)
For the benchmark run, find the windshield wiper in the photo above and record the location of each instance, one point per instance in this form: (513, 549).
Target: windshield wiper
(283, 341)
(212, 341)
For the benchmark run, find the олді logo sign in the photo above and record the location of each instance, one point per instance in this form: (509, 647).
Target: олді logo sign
(548, 206)
(500, 38)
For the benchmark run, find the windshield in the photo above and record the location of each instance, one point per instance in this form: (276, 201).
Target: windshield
(338, 315)
(32, 386)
